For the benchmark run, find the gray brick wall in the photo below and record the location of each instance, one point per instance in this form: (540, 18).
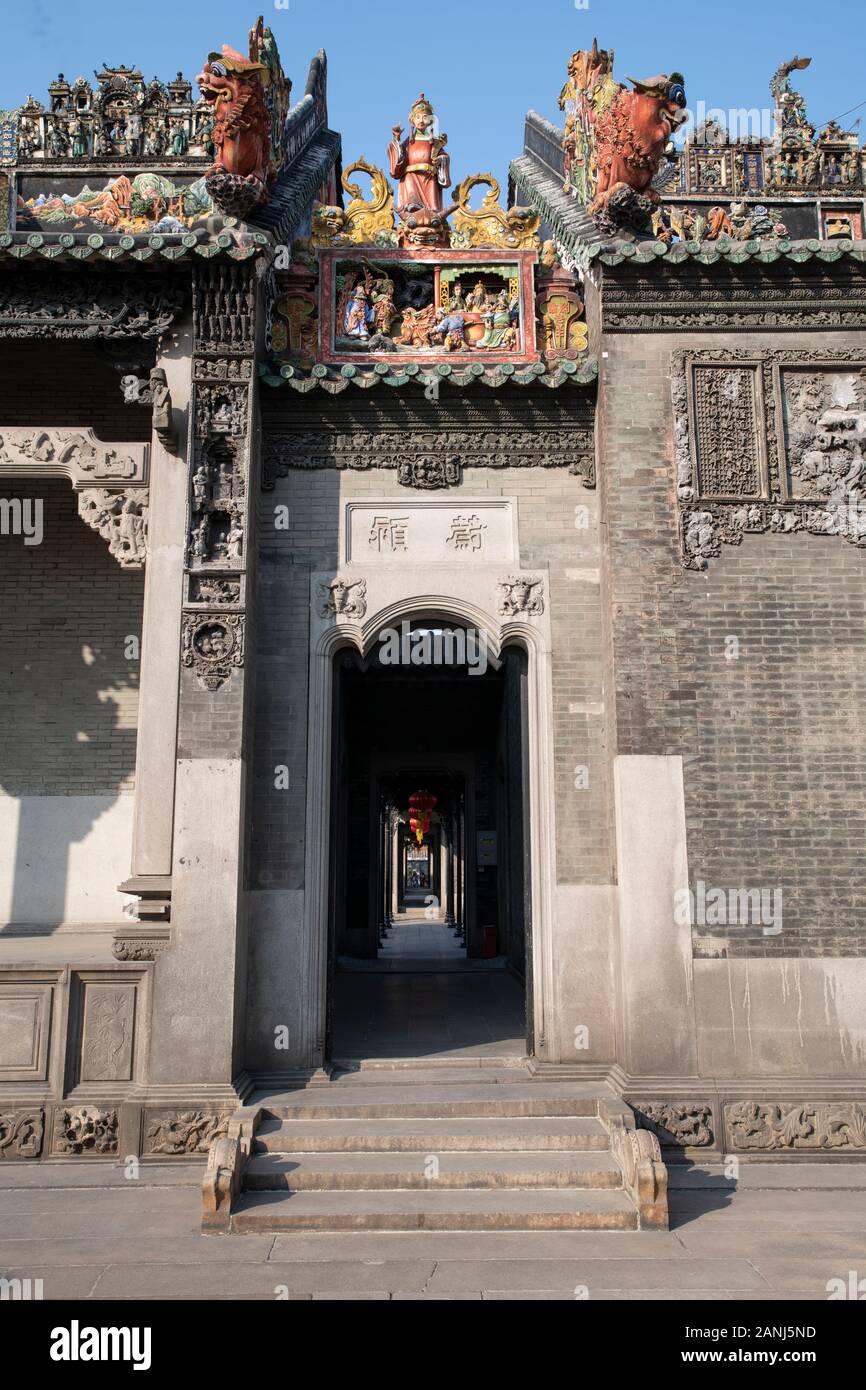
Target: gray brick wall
(772, 742)
(68, 694)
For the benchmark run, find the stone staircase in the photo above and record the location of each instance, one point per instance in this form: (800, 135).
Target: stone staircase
(392, 1147)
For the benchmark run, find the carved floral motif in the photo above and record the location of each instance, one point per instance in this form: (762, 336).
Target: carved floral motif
(85, 1129)
(754, 1125)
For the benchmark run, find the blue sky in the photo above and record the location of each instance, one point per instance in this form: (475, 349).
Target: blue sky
(483, 63)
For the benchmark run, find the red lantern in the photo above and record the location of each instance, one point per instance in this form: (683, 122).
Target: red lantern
(420, 805)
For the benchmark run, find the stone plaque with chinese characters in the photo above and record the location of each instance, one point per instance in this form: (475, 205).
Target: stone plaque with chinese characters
(434, 532)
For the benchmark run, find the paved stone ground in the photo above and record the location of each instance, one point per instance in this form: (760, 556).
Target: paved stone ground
(90, 1234)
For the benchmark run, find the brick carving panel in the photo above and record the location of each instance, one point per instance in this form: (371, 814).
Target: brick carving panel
(775, 445)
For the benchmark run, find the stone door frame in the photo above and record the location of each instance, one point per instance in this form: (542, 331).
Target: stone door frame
(334, 633)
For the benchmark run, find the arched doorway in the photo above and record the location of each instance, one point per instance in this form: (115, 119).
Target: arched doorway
(513, 644)
(430, 874)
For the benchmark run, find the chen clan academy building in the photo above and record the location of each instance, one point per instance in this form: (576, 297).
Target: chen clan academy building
(433, 649)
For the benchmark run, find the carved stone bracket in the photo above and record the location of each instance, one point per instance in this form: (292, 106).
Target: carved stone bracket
(754, 1126)
(76, 454)
(121, 519)
(521, 596)
(768, 444)
(684, 1123)
(342, 598)
(213, 646)
(21, 1132)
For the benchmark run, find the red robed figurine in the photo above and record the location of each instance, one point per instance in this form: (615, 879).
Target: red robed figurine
(419, 162)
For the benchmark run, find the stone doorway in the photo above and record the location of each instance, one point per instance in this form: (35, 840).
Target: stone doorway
(429, 927)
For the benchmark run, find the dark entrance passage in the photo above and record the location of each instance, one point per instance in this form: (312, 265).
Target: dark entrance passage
(429, 892)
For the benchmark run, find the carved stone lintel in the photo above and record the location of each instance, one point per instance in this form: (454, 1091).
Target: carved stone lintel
(85, 1129)
(828, 1125)
(342, 598)
(213, 646)
(121, 519)
(435, 458)
(21, 1132)
(76, 454)
(685, 1123)
(521, 596)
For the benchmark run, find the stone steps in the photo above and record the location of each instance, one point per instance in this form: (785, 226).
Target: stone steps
(407, 1171)
(406, 1148)
(488, 1134)
(499, 1210)
(436, 1102)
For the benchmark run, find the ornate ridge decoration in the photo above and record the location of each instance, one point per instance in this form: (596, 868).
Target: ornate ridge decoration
(180, 1132)
(213, 646)
(688, 1124)
(521, 596)
(249, 98)
(615, 139)
(85, 1129)
(343, 598)
(21, 1132)
(755, 1126)
(435, 459)
(121, 519)
(768, 444)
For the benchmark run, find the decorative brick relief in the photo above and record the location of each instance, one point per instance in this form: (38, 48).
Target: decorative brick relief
(770, 445)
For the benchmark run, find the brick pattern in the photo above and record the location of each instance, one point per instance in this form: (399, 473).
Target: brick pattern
(549, 539)
(68, 693)
(774, 758)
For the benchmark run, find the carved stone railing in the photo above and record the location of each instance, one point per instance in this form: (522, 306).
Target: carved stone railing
(637, 1151)
(226, 1161)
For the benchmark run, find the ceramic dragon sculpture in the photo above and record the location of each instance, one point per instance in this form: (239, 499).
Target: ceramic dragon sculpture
(617, 138)
(235, 87)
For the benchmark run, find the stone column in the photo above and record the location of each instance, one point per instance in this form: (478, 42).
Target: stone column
(160, 641)
(201, 980)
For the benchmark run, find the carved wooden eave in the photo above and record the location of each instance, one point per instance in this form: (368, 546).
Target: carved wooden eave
(111, 480)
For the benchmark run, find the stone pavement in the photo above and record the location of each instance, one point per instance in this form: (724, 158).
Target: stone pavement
(781, 1233)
